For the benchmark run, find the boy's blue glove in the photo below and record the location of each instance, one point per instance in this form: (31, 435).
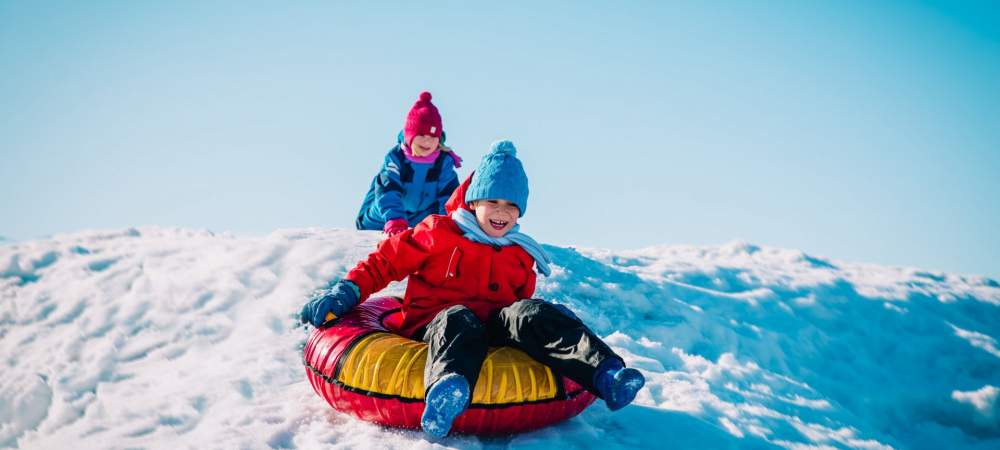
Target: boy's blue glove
(337, 300)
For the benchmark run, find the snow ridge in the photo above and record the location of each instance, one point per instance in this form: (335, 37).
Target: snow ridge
(165, 338)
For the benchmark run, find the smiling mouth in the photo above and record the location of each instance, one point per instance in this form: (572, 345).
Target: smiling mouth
(498, 224)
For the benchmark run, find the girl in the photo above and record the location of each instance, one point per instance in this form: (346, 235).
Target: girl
(416, 177)
(471, 280)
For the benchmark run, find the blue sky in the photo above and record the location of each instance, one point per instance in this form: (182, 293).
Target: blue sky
(866, 132)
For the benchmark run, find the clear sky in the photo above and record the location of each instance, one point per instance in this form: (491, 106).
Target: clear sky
(863, 131)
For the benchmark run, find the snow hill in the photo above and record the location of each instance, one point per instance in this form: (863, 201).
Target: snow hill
(177, 338)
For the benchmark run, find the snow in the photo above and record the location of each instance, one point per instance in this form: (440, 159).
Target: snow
(983, 400)
(180, 338)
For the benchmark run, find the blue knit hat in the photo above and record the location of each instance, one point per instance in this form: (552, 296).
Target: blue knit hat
(500, 176)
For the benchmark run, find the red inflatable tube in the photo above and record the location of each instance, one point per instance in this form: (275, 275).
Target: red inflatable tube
(360, 367)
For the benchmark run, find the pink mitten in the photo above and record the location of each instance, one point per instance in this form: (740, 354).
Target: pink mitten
(396, 226)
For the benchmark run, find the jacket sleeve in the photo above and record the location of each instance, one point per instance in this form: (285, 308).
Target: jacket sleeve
(394, 259)
(389, 190)
(446, 186)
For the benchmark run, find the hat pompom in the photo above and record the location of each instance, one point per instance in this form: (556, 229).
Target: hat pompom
(504, 147)
(425, 96)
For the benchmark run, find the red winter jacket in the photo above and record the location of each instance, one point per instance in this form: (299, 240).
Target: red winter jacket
(446, 269)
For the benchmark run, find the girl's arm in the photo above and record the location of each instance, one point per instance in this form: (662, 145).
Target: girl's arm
(389, 189)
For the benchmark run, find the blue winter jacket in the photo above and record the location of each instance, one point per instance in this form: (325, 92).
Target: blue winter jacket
(408, 190)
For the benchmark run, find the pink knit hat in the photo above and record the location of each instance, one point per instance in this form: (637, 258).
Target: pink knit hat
(422, 119)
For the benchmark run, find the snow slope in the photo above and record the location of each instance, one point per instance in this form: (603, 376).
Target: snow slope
(177, 338)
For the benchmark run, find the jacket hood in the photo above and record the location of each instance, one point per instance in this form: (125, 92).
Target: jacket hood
(457, 199)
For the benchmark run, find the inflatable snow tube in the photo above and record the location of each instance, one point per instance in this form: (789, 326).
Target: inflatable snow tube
(360, 367)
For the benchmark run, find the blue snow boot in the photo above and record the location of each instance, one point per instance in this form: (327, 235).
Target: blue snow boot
(618, 385)
(445, 401)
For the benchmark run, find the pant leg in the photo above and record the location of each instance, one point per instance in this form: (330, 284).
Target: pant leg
(553, 338)
(456, 343)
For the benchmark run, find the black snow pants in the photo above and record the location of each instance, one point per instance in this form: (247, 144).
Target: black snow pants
(458, 341)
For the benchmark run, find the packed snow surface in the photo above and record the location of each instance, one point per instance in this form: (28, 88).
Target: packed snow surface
(176, 338)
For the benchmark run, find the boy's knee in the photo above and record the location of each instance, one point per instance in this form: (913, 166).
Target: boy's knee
(526, 307)
(459, 315)
(526, 312)
(452, 321)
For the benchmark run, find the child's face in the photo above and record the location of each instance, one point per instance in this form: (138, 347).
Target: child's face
(495, 217)
(424, 145)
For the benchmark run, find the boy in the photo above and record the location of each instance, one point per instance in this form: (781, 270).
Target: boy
(471, 280)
